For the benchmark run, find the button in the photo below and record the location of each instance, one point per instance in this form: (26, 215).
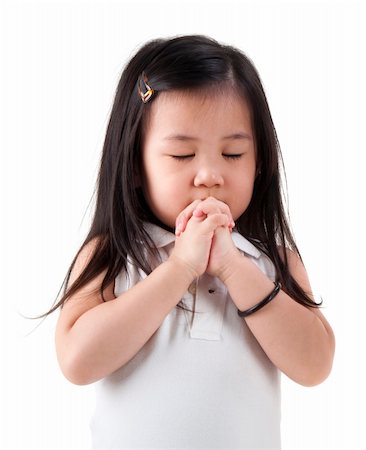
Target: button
(192, 288)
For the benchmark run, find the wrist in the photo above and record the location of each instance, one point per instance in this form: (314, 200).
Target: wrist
(247, 283)
(230, 268)
(183, 268)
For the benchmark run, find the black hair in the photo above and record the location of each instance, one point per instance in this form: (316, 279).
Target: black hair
(188, 63)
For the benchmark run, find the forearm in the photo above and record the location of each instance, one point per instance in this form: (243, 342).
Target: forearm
(292, 335)
(108, 336)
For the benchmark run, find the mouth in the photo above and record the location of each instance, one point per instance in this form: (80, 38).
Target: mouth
(212, 196)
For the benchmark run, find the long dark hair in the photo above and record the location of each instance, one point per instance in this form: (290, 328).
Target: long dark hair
(183, 63)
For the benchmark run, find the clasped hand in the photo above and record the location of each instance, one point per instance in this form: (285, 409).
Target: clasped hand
(203, 238)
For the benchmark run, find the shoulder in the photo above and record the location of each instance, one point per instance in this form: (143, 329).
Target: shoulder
(293, 259)
(296, 268)
(299, 273)
(83, 258)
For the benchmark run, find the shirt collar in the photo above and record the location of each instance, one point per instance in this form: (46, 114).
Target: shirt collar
(162, 238)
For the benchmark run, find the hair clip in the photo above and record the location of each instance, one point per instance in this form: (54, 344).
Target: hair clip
(145, 97)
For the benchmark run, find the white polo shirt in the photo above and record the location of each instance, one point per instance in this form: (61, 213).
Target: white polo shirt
(205, 384)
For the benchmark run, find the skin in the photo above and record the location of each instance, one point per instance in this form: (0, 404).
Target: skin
(197, 188)
(171, 182)
(200, 196)
(190, 180)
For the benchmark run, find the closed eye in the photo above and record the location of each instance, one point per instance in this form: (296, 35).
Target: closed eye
(181, 157)
(229, 156)
(233, 156)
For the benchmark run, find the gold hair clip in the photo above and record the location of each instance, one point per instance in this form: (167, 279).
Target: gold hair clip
(149, 92)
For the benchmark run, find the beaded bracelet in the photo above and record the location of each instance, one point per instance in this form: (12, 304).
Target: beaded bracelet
(260, 305)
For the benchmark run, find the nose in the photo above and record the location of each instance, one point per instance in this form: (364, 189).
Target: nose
(208, 176)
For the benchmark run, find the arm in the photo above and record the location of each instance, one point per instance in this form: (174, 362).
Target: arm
(107, 336)
(297, 339)
(93, 339)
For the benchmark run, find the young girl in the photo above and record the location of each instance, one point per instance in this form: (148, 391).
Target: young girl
(189, 298)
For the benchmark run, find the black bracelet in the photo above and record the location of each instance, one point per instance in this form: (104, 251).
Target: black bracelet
(260, 305)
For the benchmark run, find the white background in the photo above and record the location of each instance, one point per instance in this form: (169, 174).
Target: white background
(61, 62)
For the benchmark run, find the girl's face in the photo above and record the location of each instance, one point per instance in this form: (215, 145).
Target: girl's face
(195, 147)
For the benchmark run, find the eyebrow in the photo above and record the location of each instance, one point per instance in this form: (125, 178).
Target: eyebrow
(183, 137)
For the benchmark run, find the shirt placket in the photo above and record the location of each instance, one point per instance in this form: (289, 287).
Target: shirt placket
(211, 299)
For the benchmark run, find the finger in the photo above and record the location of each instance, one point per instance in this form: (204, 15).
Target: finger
(198, 212)
(214, 221)
(184, 216)
(212, 205)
